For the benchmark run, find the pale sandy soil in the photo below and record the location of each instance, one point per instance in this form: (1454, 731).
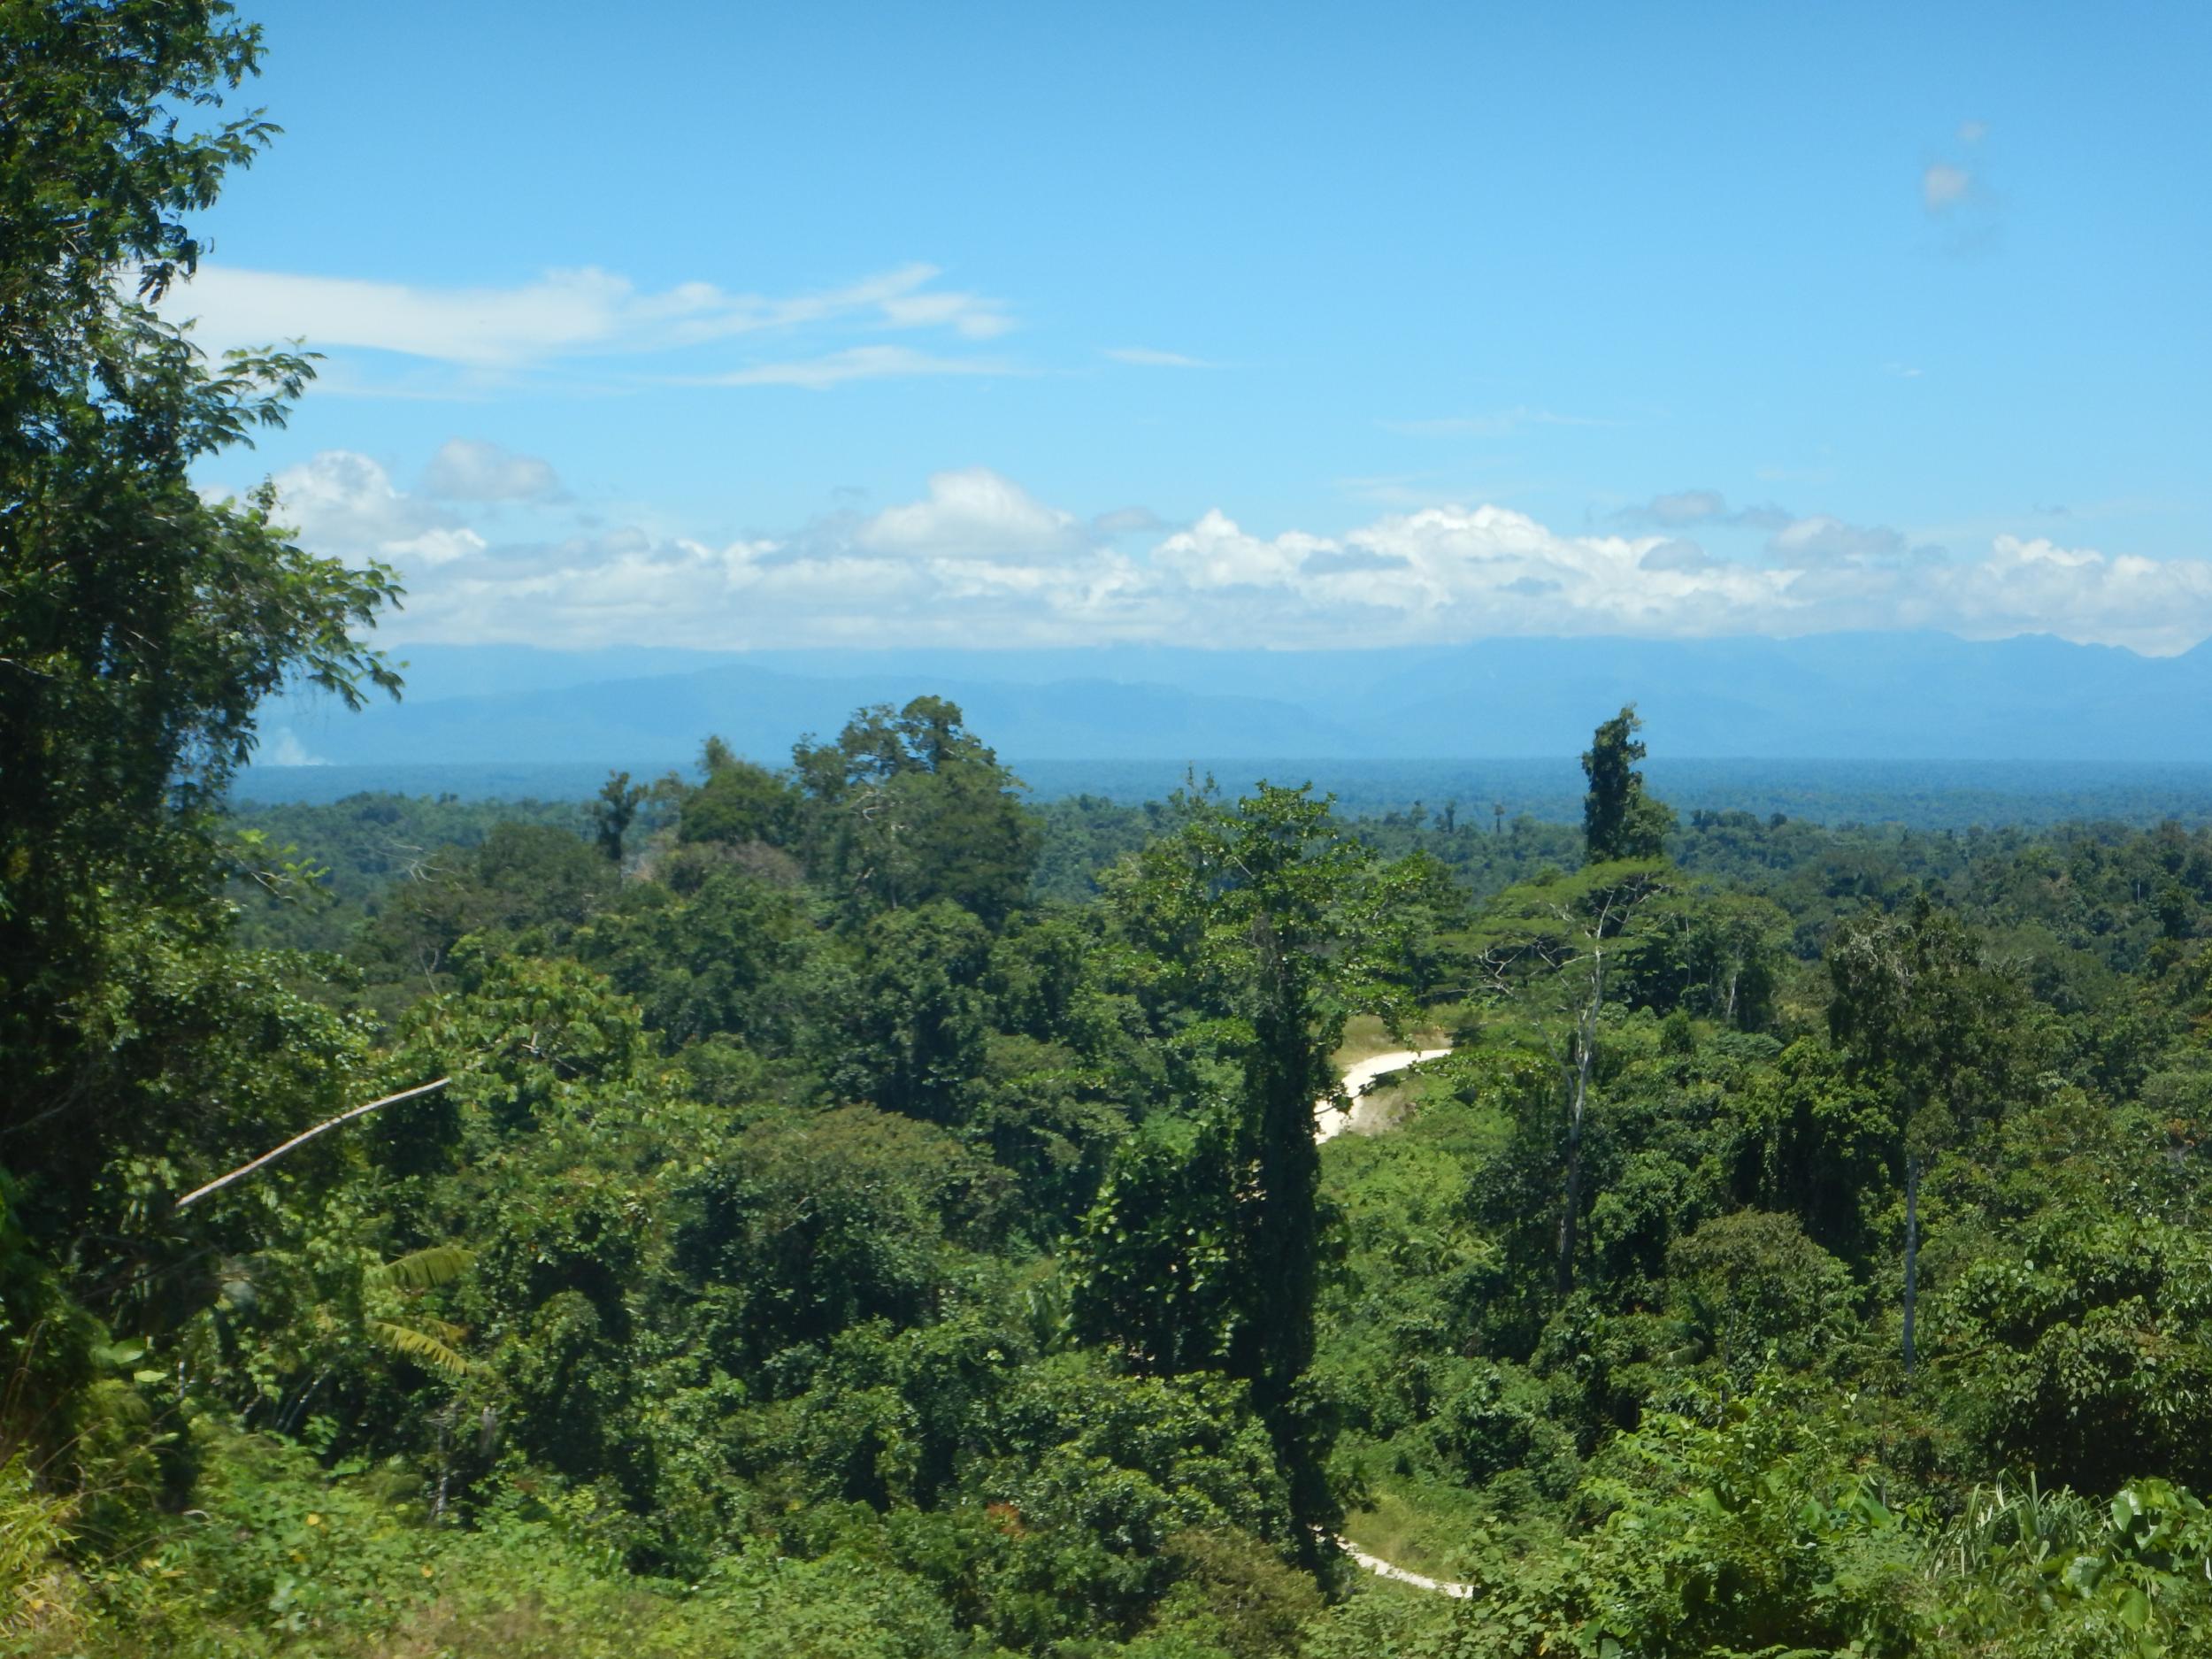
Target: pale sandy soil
(1329, 1122)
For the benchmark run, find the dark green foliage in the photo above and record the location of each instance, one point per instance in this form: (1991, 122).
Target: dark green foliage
(1618, 819)
(911, 1031)
(140, 623)
(819, 1247)
(909, 807)
(613, 812)
(739, 802)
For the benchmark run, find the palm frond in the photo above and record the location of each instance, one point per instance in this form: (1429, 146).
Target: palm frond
(425, 1348)
(425, 1269)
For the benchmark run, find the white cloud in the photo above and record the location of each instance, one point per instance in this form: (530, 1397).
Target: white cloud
(346, 505)
(1676, 508)
(1804, 543)
(1215, 553)
(1498, 424)
(857, 363)
(974, 514)
(469, 469)
(977, 559)
(2157, 606)
(1677, 555)
(1943, 186)
(1146, 357)
(559, 317)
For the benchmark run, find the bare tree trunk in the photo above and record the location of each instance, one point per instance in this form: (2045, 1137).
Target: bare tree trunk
(445, 1460)
(1585, 1047)
(1912, 1250)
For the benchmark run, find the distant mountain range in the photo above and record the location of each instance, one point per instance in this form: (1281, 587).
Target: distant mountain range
(1874, 697)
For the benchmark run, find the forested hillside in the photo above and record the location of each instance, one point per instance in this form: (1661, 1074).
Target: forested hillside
(828, 1208)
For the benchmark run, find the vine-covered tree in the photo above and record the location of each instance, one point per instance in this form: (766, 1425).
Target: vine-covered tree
(1618, 819)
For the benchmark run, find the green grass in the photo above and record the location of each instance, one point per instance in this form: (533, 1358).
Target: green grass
(1414, 1525)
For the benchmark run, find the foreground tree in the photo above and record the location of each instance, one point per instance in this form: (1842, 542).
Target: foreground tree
(141, 624)
(1266, 927)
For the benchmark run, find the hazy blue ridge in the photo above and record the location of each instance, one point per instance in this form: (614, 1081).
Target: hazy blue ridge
(1868, 696)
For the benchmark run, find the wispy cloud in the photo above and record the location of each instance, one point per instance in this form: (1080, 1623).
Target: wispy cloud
(1146, 357)
(469, 469)
(856, 362)
(1943, 187)
(569, 319)
(1956, 196)
(1680, 508)
(1497, 424)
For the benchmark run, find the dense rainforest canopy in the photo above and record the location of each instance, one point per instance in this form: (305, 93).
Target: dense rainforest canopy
(858, 1214)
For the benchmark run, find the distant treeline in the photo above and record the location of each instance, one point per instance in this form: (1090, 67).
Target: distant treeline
(357, 848)
(1917, 793)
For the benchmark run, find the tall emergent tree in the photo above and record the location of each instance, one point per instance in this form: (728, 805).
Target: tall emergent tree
(140, 623)
(613, 812)
(1618, 819)
(1265, 927)
(1565, 939)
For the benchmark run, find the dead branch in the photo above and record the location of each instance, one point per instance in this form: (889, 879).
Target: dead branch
(271, 1157)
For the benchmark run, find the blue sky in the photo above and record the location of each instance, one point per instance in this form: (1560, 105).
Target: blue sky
(751, 325)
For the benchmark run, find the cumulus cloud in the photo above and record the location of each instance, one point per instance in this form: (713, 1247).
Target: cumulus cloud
(1956, 196)
(974, 514)
(1215, 553)
(1129, 521)
(286, 749)
(1676, 508)
(975, 559)
(1822, 540)
(346, 505)
(469, 469)
(1677, 555)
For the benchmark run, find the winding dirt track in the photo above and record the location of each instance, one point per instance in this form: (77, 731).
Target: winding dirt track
(1328, 1123)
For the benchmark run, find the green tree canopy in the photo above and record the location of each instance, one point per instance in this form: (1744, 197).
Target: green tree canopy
(1618, 819)
(141, 624)
(910, 807)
